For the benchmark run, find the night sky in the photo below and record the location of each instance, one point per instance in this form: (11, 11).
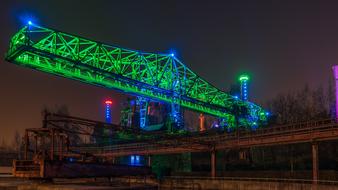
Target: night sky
(283, 45)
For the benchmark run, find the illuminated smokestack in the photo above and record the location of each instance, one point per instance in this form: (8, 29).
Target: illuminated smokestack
(244, 87)
(335, 73)
(202, 122)
(108, 110)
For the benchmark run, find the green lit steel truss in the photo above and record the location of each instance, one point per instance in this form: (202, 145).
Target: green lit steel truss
(155, 76)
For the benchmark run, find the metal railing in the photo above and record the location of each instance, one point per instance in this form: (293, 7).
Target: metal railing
(202, 139)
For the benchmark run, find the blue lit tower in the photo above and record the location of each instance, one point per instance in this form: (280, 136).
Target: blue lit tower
(143, 106)
(244, 87)
(108, 110)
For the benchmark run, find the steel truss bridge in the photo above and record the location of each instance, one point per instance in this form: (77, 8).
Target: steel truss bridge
(156, 76)
(207, 141)
(57, 129)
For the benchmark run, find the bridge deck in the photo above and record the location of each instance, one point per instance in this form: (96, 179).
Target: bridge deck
(209, 141)
(200, 142)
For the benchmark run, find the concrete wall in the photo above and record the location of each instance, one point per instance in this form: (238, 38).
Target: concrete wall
(238, 185)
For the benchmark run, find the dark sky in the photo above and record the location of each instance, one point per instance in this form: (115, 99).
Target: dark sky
(283, 45)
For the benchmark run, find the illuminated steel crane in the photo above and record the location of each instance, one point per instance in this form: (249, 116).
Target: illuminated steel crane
(153, 76)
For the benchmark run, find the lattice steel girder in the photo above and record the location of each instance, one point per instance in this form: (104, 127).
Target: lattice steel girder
(155, 76)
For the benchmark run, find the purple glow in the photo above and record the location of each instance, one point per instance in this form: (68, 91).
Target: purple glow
(335, 72)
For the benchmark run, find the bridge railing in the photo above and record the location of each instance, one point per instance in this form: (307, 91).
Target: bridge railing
(203, 139)
(308, 125)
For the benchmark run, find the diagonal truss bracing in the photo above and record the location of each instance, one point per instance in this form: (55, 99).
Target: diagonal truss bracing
(156, 76)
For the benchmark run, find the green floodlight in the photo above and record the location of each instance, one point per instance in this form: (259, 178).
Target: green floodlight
(244, 78)
(139, 73)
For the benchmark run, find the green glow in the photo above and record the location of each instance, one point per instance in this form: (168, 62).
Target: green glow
(156, 76)
(244, 77)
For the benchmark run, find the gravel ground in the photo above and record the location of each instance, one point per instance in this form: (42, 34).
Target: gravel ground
(12, 183)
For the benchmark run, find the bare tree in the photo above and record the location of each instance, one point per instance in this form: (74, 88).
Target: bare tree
(3, 144)
(17, 143)
(302, 105)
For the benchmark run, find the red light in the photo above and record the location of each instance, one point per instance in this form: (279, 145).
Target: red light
(108, 102)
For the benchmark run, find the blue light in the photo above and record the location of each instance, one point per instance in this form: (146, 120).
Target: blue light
(71, 160)
(132, 102)
(108, 113)
(172, 54)
(236, 97)
(254, 126)
(30, 22)
(267, 113)
(135, 160)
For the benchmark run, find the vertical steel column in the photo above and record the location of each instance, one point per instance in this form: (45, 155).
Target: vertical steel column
(149, 160)
(177, 115)
(213, 163)
(36, 144)
(315, 163)
(67, 144)
(176, 111)
(143, 105)
(60, 147)
(26, 144)
(52, 145)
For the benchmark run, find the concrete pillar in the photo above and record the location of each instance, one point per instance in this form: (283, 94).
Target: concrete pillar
(213, 163)
(315, 163)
